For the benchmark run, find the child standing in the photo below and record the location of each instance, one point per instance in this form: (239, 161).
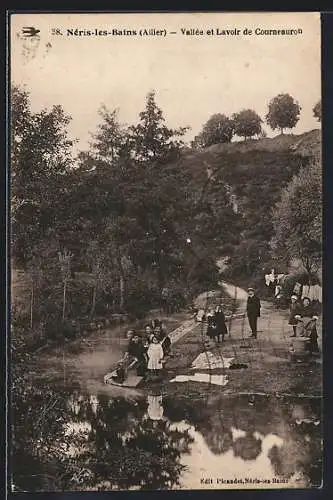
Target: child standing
(155, 356)
(294, 310)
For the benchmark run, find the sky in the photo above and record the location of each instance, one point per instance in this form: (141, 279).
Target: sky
(193, 76)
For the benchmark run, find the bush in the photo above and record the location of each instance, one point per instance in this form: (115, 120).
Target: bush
(140, 299)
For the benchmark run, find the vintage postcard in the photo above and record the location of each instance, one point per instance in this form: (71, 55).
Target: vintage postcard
(166, 251)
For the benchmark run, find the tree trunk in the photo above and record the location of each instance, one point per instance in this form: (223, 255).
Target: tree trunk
(93, 305)
(122, 290)
(31, 304)
(160, 276)
(122, 283)
(64, 300)
(307, 264)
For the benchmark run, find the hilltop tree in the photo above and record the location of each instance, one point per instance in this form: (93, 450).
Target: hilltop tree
(283, 112)
(218, 129)
(247, 123)
(151, 139)
(317, 111)
(298, 219)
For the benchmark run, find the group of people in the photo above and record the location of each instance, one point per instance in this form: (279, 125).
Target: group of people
(303, 320)
(216, 324)
(216, 320)
(146, 352)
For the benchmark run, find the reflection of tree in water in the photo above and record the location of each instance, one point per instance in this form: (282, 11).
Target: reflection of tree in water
(247, 447)
(38, 442)
(215, 425)
(123, 447)
(216, 434)
(119, 446)
(302, 452)
(129, 450)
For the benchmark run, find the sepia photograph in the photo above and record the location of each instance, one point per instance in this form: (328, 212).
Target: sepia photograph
(166, 251)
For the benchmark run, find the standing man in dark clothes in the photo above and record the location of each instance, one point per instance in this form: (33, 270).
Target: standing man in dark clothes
(253, 311)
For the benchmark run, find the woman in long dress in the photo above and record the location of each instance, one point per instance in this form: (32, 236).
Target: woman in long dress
(155, 357)
(313, 336)
(221, 327)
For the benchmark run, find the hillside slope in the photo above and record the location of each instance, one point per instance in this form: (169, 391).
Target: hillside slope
(255, 172)
(304, 145)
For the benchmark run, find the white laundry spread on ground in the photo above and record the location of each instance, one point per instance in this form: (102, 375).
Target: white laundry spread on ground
(202, 377)
(209, 361)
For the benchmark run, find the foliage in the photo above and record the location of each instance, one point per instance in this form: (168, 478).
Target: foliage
(298, 219)
(218, 129)
(40, 159)
(317, 112)
(283, 112)
(151, 139)
(247, 123)
(110, 141)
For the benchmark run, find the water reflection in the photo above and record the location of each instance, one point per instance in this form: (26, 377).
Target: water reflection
(155, 410)
(96, 442)
(247, 458)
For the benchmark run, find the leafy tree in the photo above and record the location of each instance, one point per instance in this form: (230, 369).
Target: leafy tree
(298, 219)
(218, 129)
(110, 142)
(41, 156)
(247, 123)
(143, 215)
(283, 112)
(317, 111)
(151, 139)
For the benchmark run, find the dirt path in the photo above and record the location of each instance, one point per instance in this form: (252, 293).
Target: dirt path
(235, 292)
